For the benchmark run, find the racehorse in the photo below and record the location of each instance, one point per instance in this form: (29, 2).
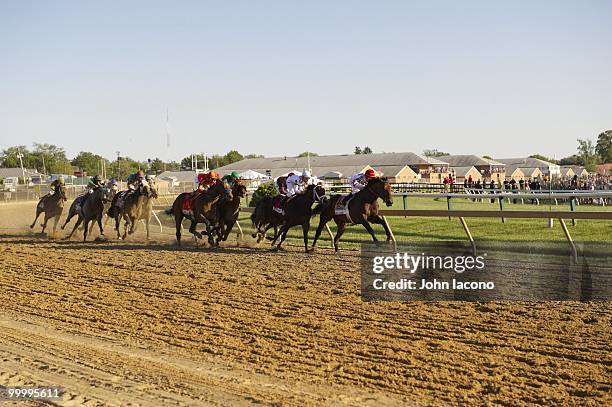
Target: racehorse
(88, 208)
(265, 217)
(147, 207)
(203, 208)
(230, 210)
(362, 209)
(52, 206)
(130, 209)
(298, 211)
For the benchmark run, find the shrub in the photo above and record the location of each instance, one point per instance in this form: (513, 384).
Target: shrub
(264, 190)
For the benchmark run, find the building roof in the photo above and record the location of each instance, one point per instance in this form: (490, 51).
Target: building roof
(16, 172)
(526, 162)
(468, 160)
(464, 170)
(347, 164)
(181, 176)
(392, 170)
(577, 169)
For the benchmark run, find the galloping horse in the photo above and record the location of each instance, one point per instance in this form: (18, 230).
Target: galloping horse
(362, 209)
(147, 207)
(91, 209)
(230, 209)
(265, 217)
(204, 208)
(131, 208)
(298, 211)
(52, 206)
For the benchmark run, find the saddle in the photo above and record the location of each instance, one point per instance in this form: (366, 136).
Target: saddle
(342, 207)
(121, 198)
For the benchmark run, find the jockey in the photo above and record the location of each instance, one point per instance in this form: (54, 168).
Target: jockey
(94, 183)
(112, 184)
(280, 183)
(55, 184)
(231, 178)
(360, 180)
(296, 184)
(135, 178)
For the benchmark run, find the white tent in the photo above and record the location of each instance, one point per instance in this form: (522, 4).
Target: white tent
(250, 174)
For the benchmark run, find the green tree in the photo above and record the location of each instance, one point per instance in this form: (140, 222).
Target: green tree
(367, 150)
(9, 157)
(232, 157)
(264, 190)
(90, 162)
(122, 167)
(48, 158)
(434, 153)
(306, 153)
(541, 157)
(586, 151)
(604, 146)
(156, 166)
(488, 157)
(254, 156)
(573, 159)
(357, 150)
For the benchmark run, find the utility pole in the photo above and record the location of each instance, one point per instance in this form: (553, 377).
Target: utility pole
(20, 156)
(118, 166)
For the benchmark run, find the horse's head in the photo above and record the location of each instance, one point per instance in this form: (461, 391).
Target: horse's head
(318, 193)
(104, 194)
(382, 189)
(239, 190)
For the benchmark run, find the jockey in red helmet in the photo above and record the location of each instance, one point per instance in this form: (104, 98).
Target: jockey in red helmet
(360, 180)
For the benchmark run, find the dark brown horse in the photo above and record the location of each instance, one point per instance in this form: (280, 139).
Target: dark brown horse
(362, 209)
(88, 208)
(52, 206)
(264, 217)
(298, 211)
(230, 209)
(204, 209)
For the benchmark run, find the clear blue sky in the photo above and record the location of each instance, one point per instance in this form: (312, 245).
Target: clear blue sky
(500, 78)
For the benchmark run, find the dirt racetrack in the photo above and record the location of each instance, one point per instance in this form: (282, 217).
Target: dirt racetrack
(130, 323)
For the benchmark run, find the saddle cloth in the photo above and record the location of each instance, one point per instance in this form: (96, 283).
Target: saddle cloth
(277, 205)
(342, 207)
(78, 203)
(121, 198)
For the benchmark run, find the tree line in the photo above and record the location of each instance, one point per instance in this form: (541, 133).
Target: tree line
(50, 159)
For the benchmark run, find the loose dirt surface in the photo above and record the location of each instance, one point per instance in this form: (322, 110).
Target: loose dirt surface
(131, 323)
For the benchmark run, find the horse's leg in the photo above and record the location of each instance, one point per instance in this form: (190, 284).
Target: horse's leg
(126, 220)
(368, 227)
(178, 222)
(67, 220)
(76, 225)
(377, 219)
(305, 228)
(339, 233)
(133, 223)
(100, 225)
(228, 230)
(322, 222)
(55, 222)
(38, 212)
(117, 224)
(283, 232)
(85, 229)
(44, 225)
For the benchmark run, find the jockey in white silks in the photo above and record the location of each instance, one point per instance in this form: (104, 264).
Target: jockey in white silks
(360, 180)
(297, 183)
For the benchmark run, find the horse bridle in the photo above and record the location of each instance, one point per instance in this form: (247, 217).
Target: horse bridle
(316, 195)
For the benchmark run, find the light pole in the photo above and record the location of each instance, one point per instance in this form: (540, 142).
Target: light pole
(308, 154)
